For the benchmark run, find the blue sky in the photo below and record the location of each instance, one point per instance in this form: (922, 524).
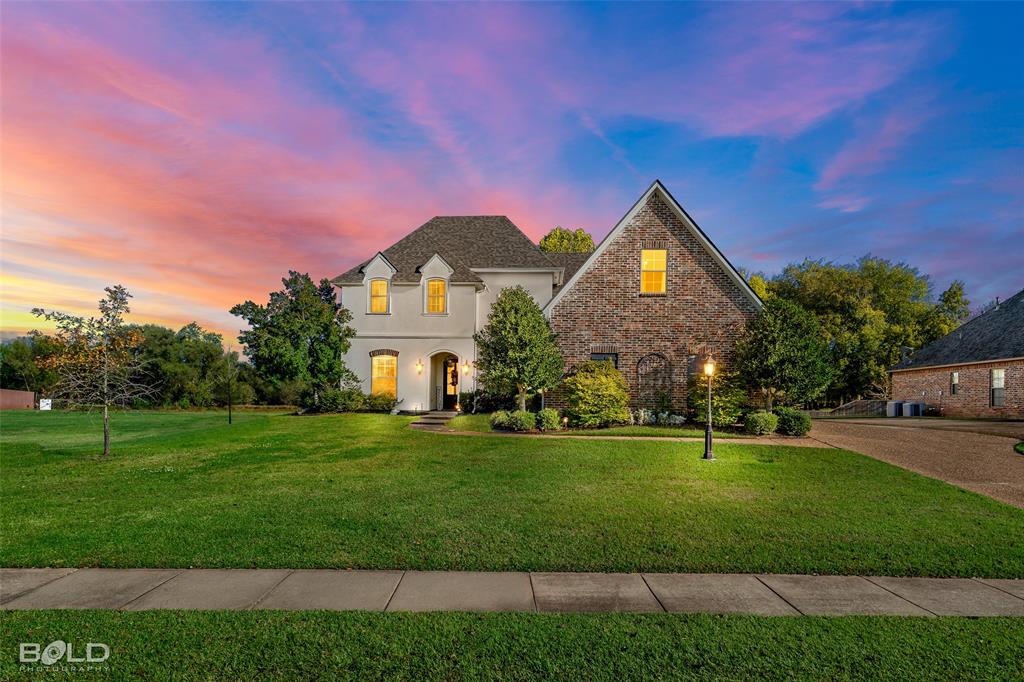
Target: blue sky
(196, 152)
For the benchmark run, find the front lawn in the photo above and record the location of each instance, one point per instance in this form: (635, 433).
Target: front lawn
(481, 423)
(364, 491)
(197, 645)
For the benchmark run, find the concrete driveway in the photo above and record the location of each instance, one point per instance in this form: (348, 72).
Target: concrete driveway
(973, 455)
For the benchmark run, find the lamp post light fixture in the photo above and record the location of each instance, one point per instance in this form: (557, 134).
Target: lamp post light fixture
(709, 372)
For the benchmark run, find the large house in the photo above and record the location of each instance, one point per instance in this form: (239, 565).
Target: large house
(975, 371)
(655, 298)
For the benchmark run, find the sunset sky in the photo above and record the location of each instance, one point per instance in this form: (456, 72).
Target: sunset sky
(196, 152)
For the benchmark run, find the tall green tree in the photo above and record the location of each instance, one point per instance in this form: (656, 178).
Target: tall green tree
(951, 311)
(301, 333)
(517, 352)
(783, 354)
(562, 240)
(868, 312)
(20, 368)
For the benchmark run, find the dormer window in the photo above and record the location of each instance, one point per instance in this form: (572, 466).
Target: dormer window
(379, 290)
(653, 264)
(437, 296)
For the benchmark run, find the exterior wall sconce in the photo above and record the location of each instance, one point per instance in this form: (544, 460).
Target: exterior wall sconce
(419, 366)
(465, 366)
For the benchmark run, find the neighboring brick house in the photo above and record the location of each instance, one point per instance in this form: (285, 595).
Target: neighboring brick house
(656, 297)
(975, 371)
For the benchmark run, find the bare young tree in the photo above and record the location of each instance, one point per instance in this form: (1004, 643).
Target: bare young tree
(96, 362)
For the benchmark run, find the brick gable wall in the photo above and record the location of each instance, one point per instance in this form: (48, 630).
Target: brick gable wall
(703, 309)
(972, 397)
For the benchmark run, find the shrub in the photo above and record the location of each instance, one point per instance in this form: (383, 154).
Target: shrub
(340, 400)
(728, 396)
(473, 402)
(793, 422)
(521, 420)
(597, 396)
(499, 420)
(549, 420)
(380, 402)
(760, 423)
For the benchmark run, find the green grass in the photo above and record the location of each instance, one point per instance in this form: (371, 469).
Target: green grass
(364, 491)
(480, 423)
(1019, 447)
(184, 645)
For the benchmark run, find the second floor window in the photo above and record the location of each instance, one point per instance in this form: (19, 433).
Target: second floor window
(998, 379)
(652, 271)
(954, 382)
(437, 296)
(379, 296)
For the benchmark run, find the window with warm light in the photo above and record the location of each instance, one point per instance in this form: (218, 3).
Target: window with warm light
(652, 271)
(437, 297)
(384, 375)
(379, 296)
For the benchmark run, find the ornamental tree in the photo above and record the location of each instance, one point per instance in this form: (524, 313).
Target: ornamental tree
(96, 358)
(783, 352)
(301, 334)
(561, 240)
(517, 351)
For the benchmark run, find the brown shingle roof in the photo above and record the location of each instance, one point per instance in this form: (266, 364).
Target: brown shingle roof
(993, 335)
(465, 243)
(570, 262)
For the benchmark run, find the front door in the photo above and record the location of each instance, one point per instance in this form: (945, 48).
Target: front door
(451, 384)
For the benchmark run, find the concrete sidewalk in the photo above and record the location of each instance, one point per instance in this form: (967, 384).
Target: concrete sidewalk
(141, 589)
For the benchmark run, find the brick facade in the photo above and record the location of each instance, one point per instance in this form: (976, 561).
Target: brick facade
(972, 397)
(703, 308)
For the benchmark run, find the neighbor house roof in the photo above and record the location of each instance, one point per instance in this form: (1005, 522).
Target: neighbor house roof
(466, 243)
(996, 334)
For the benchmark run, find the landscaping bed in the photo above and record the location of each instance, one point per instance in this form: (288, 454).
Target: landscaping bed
(480, 423)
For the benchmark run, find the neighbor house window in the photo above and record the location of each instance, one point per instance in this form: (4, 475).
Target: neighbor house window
(998, 386)
(379, 295)
(954, 383)
(652, 271)
(384, 375)
(437, 296)
(613, 357)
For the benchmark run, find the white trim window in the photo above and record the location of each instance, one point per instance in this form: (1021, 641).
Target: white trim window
(436, 296)
(384, 375)
(997, 393)
(379, 297)
(954, 383)
(653, 271)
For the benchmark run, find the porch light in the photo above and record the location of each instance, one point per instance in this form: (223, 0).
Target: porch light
(709, 371)
(419, 366)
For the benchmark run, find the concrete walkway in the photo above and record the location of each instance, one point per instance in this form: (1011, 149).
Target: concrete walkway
(776, 595)
(980, 462)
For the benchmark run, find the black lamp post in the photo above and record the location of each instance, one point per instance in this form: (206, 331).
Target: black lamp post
(709, 372)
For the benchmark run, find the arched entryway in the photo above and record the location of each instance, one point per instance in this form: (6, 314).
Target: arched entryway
(444, 381)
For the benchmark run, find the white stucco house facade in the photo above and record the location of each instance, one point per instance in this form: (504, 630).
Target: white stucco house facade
(416, 305)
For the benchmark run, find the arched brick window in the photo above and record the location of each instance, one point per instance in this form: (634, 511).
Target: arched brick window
(654, 379)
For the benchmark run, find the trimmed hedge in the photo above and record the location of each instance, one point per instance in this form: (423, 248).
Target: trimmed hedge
(499, 420)
(597, 395)
(792, 422)
(760, 423)
(521, 420)
(549, 420)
